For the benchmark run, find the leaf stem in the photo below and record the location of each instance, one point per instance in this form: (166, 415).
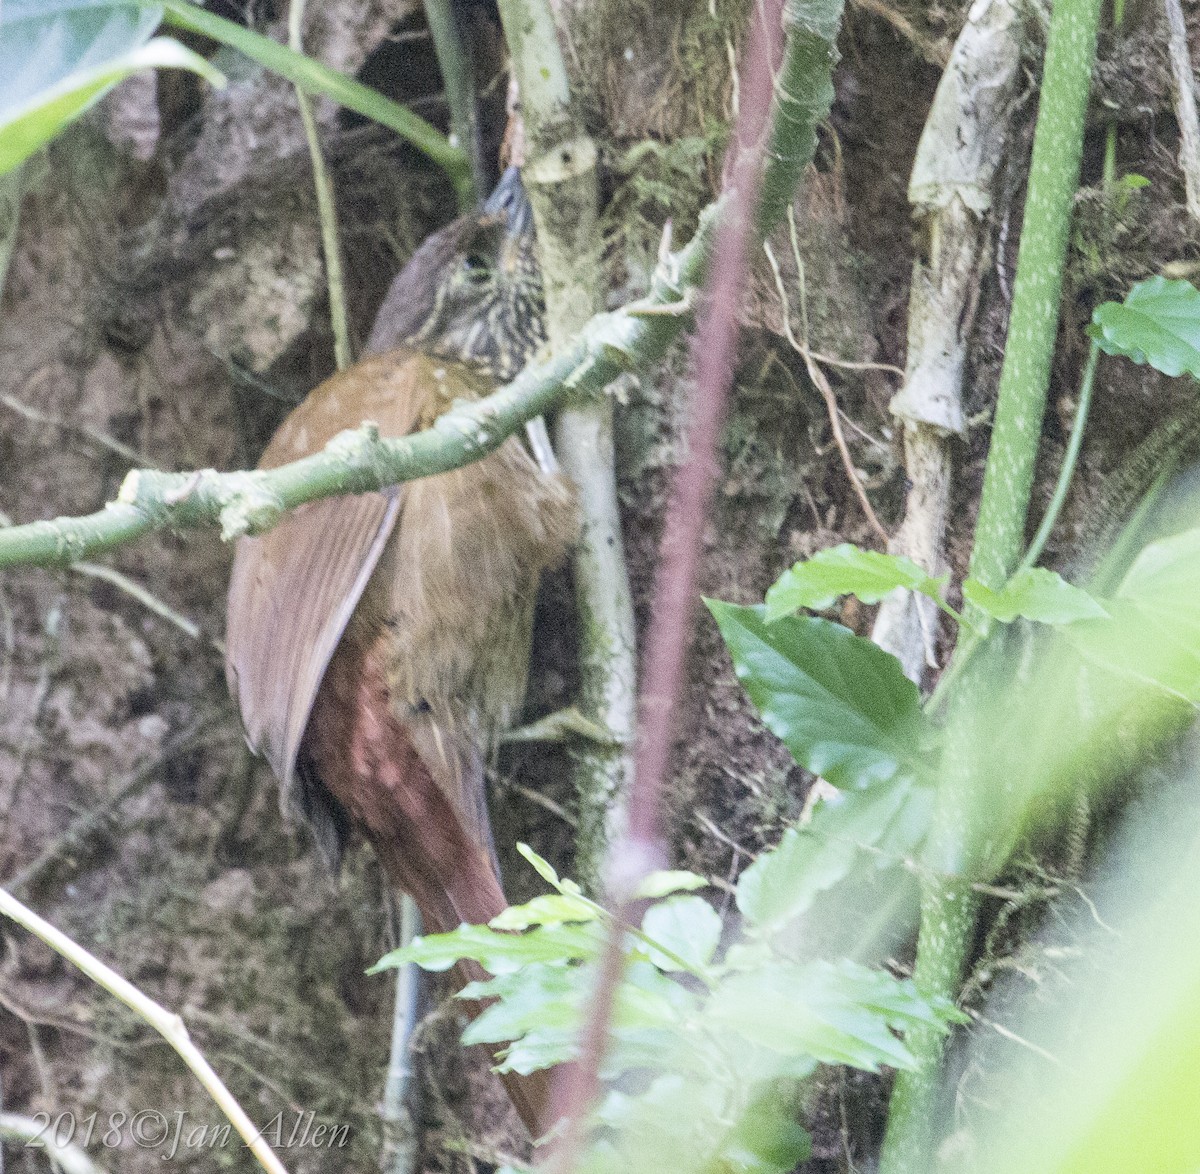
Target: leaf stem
(1070, 459)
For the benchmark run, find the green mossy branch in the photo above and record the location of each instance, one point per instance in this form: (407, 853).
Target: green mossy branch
(803, 97)
(359, 460)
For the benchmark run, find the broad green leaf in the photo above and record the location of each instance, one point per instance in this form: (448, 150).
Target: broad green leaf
(552, 909)
(869, 575)
(1035, 594)
(781, 884)
(687, 926)
(544, 1047)
(1158, 323)
(58, 57)
(840, 704)
(662, 884)
(43, 42)
(1154, 633)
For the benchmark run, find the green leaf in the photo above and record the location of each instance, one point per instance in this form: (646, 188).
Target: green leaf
(838, 1014)
(781, 884)
(548, 910)
(1158, 323)
(768, 1139)
(497, 952)
(544, 1047)
(840, 704)
(534, 997)
(58, 57)
(816, 583)
(542, 867)
(687, 926)
(1154, 633)
(1036, 594)
(663, 883)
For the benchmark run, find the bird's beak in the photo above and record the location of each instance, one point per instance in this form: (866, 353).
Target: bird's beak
(508, 203)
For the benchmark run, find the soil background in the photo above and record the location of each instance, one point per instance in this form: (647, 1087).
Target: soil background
(165, 305)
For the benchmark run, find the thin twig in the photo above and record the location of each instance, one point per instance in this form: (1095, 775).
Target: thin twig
(641, 849)
(150, 602)
(326, 205)
(170, 1026)
(34, 1134)
(95, 435)
(822, 385)
(542, 801)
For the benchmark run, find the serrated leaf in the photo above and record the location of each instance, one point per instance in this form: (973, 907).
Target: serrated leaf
(544, 1047)
(551, 909)
(1034, 594)
(781, 884)
(58, 57)
(663, 883)
(1158, 323)
(840, 704)
(843, 1014)
(535, 996)
(817, 582)
(495, 951)
(687, 926)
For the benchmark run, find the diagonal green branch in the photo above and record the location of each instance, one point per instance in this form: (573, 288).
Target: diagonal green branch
(359, 460)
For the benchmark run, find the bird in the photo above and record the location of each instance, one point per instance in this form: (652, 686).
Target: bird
(377, 645)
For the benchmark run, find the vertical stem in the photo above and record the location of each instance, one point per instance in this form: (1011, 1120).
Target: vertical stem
(560, 176)
(1070, 459)
(326, 207)
(957, 838)
(396, 1111)
(1033, 325)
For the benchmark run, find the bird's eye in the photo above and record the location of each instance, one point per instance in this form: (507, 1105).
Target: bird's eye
(476, 268)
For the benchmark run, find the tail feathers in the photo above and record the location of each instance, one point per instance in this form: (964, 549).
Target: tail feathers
(477, 898)
(426, 820)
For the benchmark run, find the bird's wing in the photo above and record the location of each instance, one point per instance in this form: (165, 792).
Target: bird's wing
(294, 588)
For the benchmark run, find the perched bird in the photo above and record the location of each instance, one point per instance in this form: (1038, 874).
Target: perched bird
(377, 644)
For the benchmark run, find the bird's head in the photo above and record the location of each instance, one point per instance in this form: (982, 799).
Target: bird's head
(472, 292)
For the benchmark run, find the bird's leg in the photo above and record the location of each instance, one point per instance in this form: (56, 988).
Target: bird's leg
(539, 444)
